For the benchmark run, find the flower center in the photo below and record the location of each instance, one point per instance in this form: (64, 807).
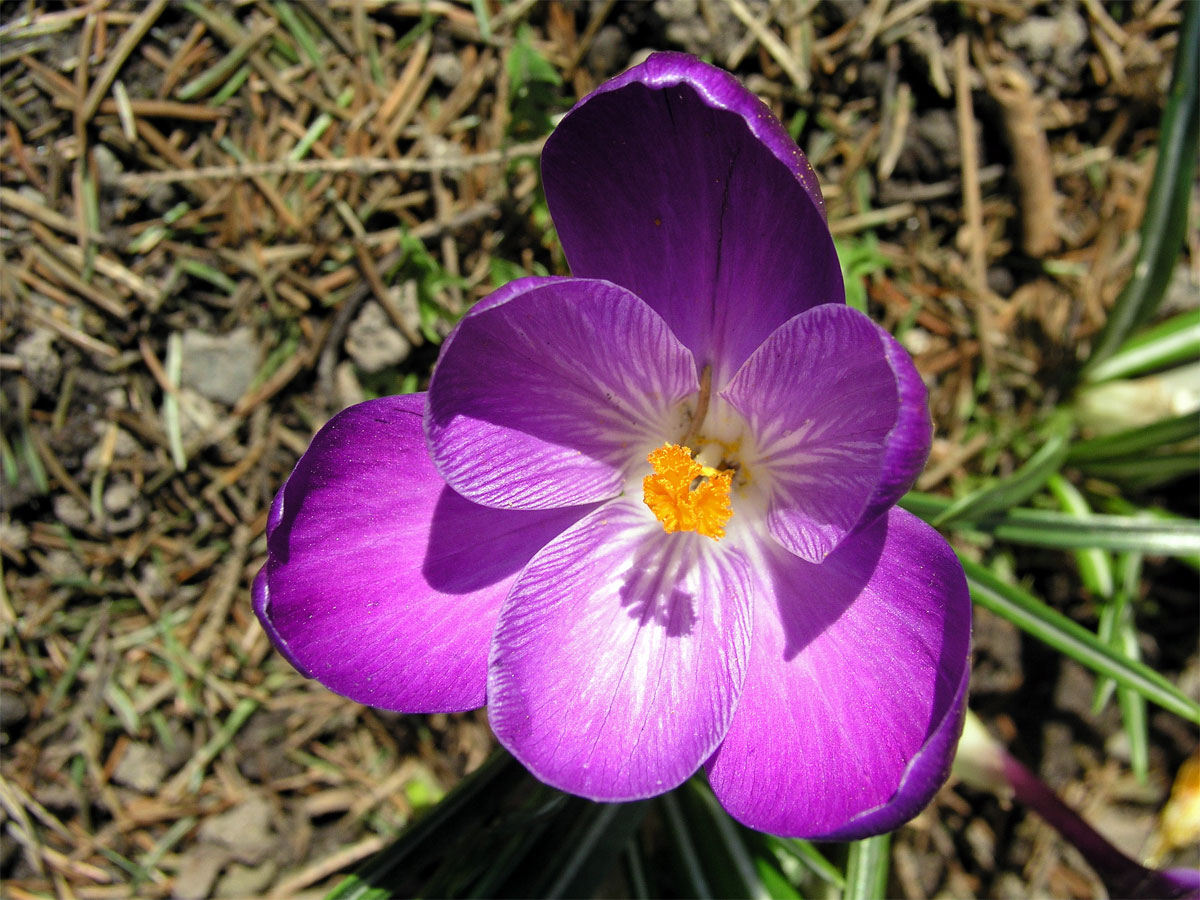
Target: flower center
(686, 496)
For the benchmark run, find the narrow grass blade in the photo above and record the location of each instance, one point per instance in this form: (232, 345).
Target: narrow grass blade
(695, 882)
(376, 878)
(585, 852)
(1146, 471)
(1165, 220)
(812, 858)
(1158, 536)
(1015, 489)
(731, 867)
(1048, 625)
(1136, 441)
(867, 868)
(1095, 566)
(1170, 343)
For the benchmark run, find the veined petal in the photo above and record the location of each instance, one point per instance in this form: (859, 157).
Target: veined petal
(620, 656)
(676, 182)
(380, 581)
(545, 395)
(839, 418)
(854, 700)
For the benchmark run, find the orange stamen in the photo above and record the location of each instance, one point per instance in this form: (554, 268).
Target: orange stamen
(680, 507)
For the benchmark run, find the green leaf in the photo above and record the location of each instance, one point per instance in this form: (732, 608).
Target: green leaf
(867, 868)
(1136, 441)
(695, 882)
(812, 858)
(1165, 222)
(1056, 630)
(1095, 566)
(459, 812)
(1175, 341)
(1158, 536)
(1011, 491)
(1144, 472)
(1133, 704)
(578, 855)
(732, 870)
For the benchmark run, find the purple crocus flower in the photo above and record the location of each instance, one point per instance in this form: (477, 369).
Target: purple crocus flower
(646, 513)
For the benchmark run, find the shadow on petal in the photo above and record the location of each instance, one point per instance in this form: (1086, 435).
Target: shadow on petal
(456, 561)
(651, 591)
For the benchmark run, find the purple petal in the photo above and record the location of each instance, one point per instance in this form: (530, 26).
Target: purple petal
(856, 690)
(676, 182)
(840, 420)
(548, 392)
(620, 655)
(380, 581)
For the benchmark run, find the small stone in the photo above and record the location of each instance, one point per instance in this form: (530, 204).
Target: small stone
(245, 830)
(346, 387)
(108, 167)
(13, 535)
(198, 415)
(446, 68)
(62, 565)
(244, 881)
(39, 360)
(70, 511)
(917, 340)
(13, 713)
(141, 767)
(1183, 291)
(220, 367)
(124, 446)
(123, 504)
(119, 497)
(608, 50)
(373, 342)
(1059, 38)
(199, 872)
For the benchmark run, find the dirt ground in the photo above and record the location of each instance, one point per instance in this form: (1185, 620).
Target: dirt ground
(223, 222)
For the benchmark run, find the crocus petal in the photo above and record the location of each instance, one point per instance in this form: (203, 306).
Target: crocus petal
(380, 581)
(676, 182)
(619, 656)
(546, 395)
(856, 690)
(839, 417)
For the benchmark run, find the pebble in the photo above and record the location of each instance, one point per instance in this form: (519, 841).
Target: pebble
(220, 367)
(199, 872)
(244, 881)
(70, 511)
(142, 768)
(609, 50)
(123, 503)
(124, 446)
(446, 68)
(40, 362)
(346, 387)
(373, 342)
(245, 830)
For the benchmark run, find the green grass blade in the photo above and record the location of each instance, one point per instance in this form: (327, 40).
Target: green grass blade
(1136, 441)
(1095, 566)
(812, 858)
(867, 868)
(1165, 220)
(696, 883)
(1011, 491)
(374, 879)
(723, 845)
(1052, 627)
(1157, 536)
(1170, 343)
